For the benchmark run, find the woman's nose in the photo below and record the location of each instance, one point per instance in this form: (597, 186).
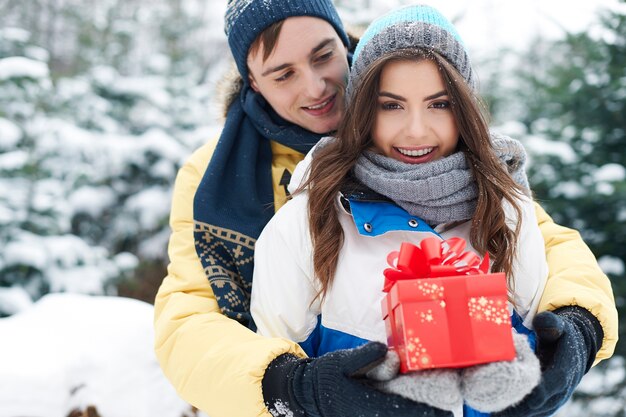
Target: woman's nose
(416, 125)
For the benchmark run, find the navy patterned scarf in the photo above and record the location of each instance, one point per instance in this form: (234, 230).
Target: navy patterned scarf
(235, 198)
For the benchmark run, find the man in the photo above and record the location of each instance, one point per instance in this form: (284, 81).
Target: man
(292, 56)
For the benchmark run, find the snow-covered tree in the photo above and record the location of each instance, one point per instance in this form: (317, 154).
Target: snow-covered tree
(87, 164)
(570, 98)
(39, 253)
(574, 95)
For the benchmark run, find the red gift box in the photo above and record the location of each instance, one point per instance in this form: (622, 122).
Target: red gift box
(442, 309)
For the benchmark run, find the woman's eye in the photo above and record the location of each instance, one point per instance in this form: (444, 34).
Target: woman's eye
(444, 104)
(390, 106)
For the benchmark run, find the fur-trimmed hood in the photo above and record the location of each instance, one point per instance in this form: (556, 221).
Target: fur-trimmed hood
(228, 89)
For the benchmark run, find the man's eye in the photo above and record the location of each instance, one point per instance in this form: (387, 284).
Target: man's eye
(284, 77)
(325, 57)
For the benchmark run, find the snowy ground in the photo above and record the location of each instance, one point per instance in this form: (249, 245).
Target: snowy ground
(69, 351)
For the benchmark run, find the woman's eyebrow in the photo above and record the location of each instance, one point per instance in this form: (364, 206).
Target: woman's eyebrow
(436, 95)
(391, 95)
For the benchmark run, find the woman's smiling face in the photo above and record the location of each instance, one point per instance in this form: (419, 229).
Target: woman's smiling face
(414, 122)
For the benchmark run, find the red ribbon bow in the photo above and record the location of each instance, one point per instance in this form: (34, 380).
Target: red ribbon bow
(433, 258)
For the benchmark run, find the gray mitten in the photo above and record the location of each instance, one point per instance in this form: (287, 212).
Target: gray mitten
(495, 386)
(387, 369)
(439, 388)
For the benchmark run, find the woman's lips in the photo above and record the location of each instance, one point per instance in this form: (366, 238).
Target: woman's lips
(414, 156)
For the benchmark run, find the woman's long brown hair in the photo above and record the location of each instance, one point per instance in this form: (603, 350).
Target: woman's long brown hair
(332, 164)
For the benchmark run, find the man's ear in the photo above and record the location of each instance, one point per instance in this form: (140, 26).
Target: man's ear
(253, 83)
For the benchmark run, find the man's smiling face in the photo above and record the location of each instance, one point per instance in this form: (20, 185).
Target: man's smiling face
(304, 78)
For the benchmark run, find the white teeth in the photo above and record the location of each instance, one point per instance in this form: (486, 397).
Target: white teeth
(319, 106)
(420, 152)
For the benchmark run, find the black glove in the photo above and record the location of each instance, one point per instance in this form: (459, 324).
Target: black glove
(333, 385)
(567, 342)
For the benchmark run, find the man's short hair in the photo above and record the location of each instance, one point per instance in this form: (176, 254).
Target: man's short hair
(267, 39)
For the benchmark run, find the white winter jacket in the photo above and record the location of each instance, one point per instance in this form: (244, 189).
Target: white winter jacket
(284, 284)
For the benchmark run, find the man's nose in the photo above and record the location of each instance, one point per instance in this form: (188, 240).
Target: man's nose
(315, 85)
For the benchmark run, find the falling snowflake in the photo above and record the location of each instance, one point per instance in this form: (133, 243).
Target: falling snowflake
(235, 9)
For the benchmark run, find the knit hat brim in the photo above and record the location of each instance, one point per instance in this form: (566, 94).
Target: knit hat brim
(412, 27)
(245, 20)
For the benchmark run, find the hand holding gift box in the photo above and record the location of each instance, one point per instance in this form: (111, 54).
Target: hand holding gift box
(443, 309)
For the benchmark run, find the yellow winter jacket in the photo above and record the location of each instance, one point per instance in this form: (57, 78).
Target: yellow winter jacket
(217, 365)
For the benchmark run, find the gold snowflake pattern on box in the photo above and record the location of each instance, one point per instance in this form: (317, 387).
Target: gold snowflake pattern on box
(426, 316)
(418, 354)
(483, 309)
(433, 291)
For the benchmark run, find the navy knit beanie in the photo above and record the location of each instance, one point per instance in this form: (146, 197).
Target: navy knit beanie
(417, 26)
(245, 20)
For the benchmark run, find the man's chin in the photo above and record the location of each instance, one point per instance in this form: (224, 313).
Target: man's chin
(321, 127)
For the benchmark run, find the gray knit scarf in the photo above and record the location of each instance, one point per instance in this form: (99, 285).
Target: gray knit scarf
(441, 191)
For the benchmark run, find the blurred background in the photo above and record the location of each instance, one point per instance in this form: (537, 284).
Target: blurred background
(102, 101)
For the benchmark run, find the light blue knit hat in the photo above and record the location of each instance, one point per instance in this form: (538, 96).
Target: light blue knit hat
(417, 26)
